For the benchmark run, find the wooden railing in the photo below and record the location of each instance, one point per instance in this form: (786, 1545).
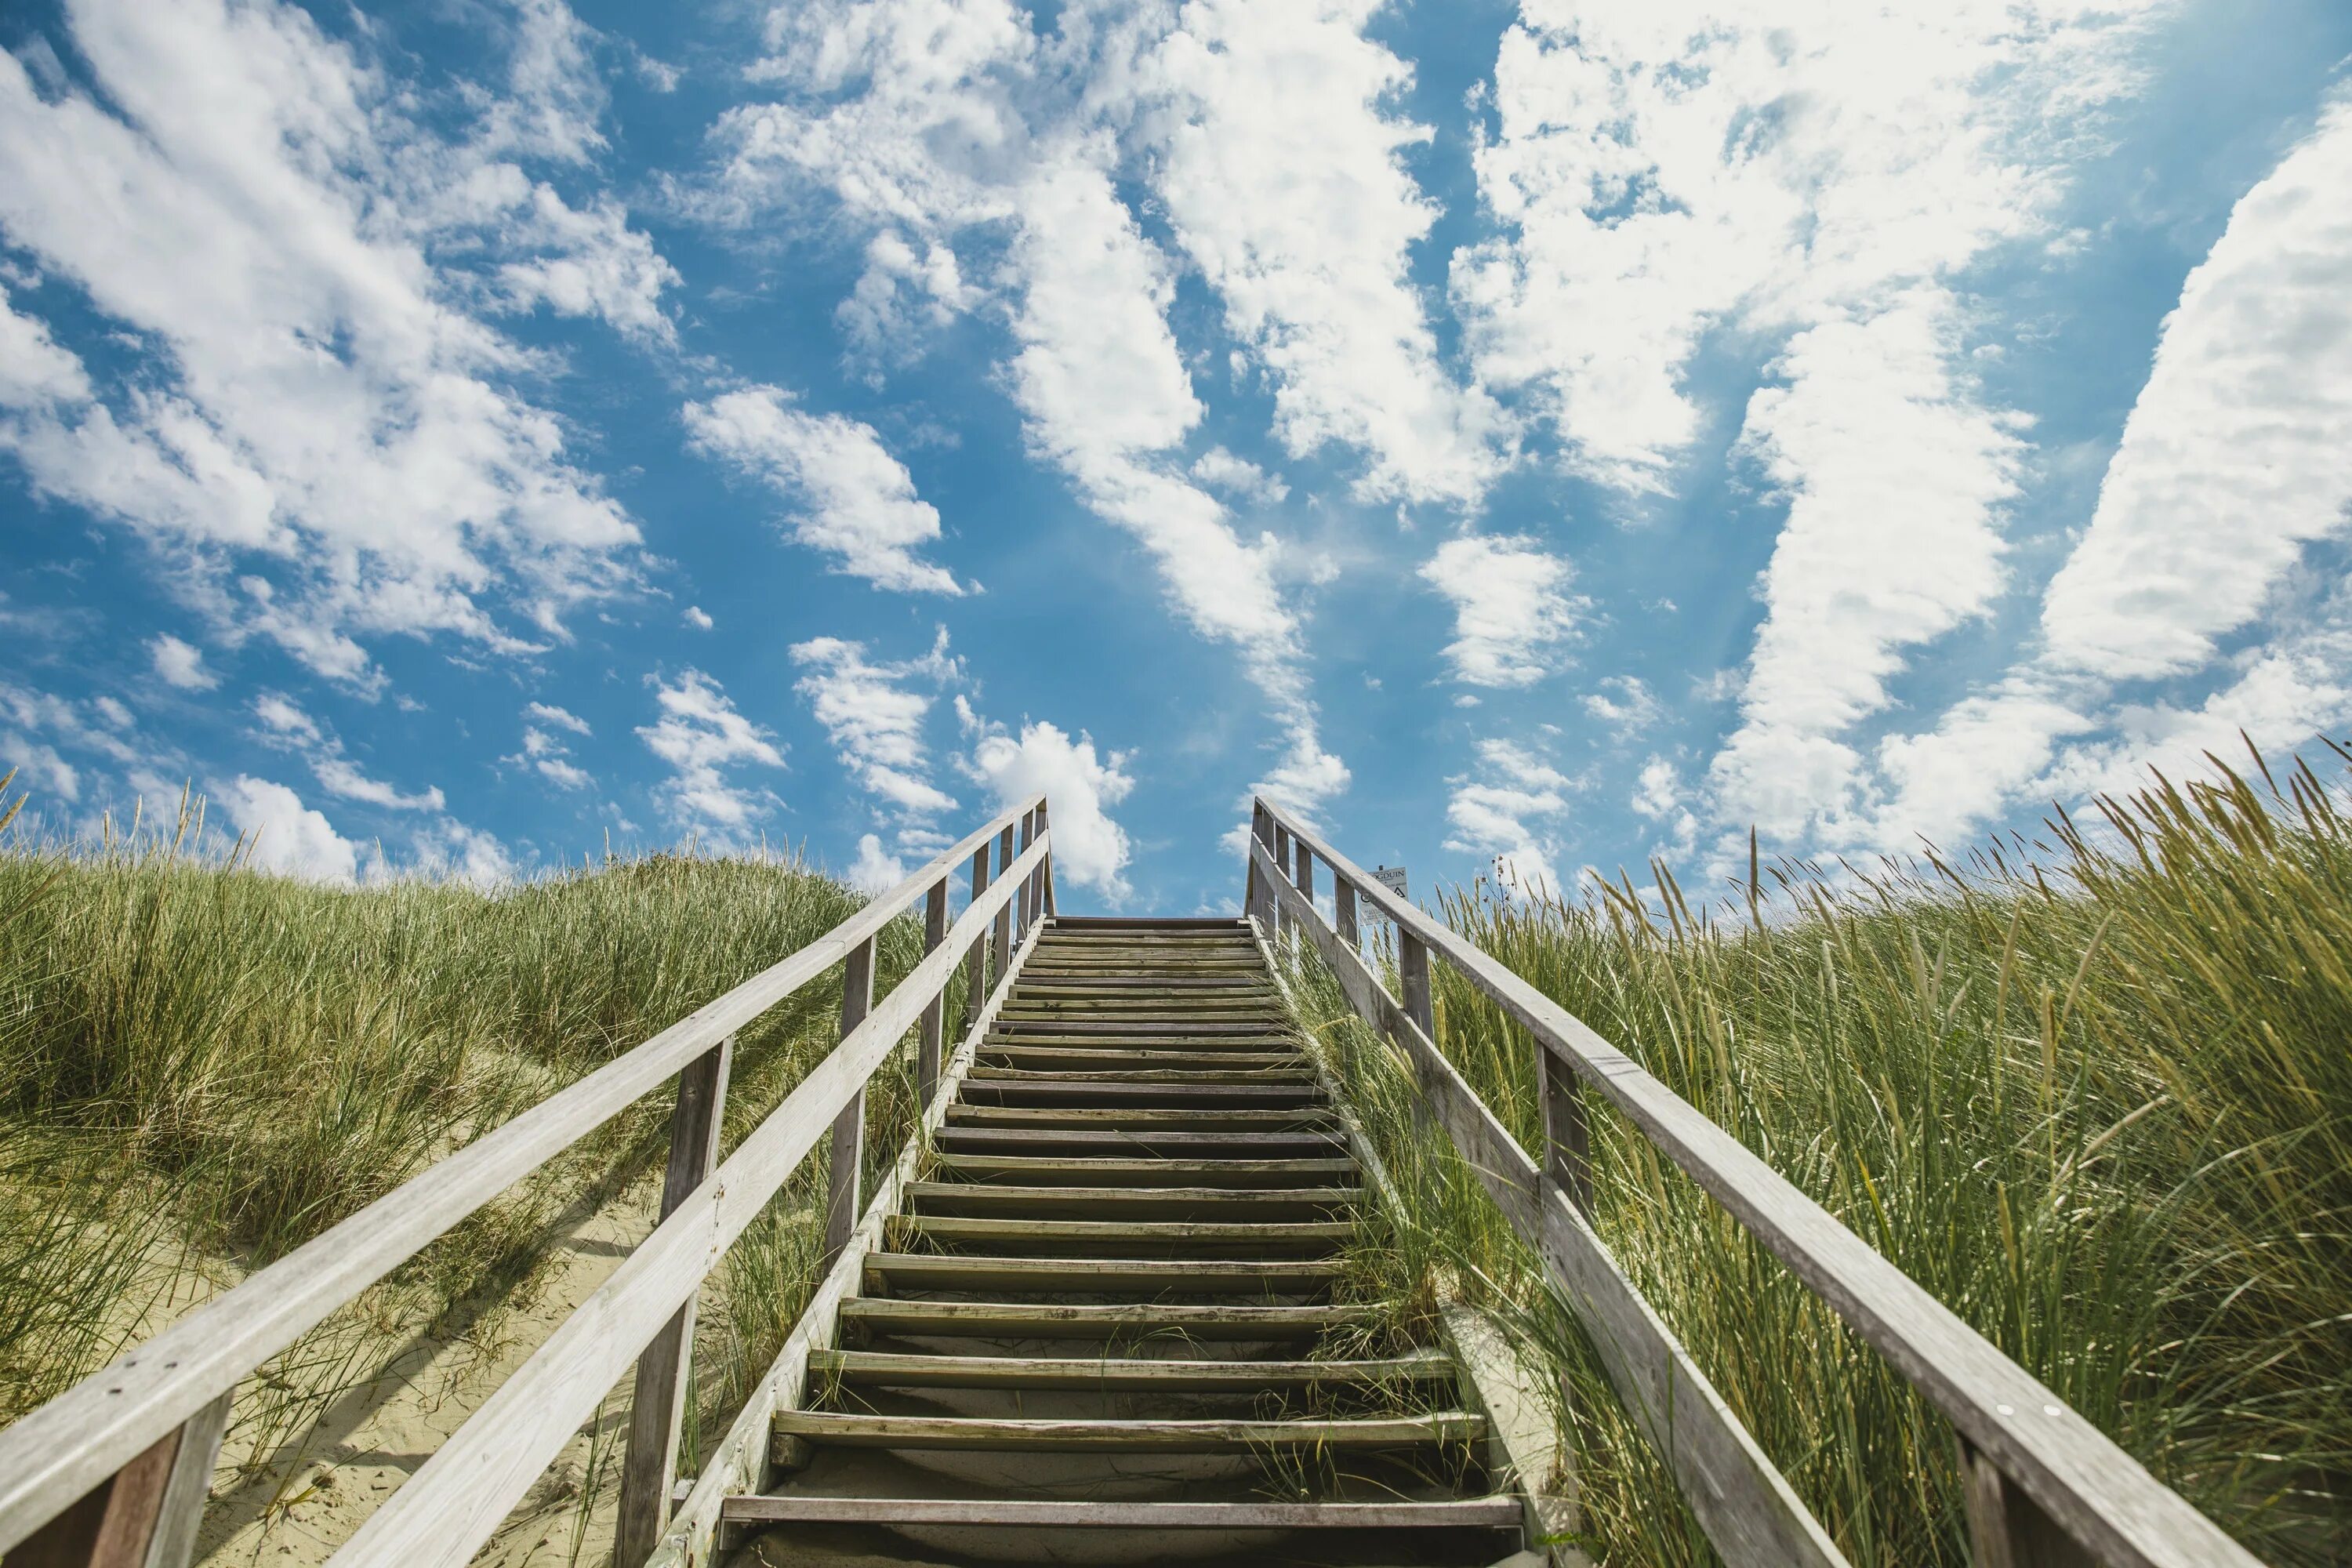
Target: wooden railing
(115, 1471)
(2044, 1489)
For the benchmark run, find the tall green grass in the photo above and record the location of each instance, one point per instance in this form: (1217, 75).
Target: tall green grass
(2095, 1093)
(202, 1067)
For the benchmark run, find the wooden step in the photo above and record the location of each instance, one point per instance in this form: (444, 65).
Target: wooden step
(873, 1315)
(1102, 1276)
(1160, 1096)
(1201, 1203)
(1039, 1513)
(1046, 1057)
(1311, 1118)
(1283, 1074)
(1078, 1171)
(1128, 1239)
(829, 1428)
(1160, 1028)
(1144, 987)
(1143, 1140)
(879, 1368)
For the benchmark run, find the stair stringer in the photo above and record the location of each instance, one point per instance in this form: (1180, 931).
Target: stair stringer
(693, 1538)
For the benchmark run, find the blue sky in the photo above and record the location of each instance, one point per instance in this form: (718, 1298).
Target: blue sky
(451, 434)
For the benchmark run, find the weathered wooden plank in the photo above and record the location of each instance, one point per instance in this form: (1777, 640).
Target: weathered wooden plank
(1741, 1497)
(1038, 1514)
(1124, 1238)
(987, 1170)
(1222, 1277)
(658, 1405)
(74, 1443)
(886, 1370)
(829, 1428)
(949, 1198)
(873, 1315)
(456, 1500)
(935, 1017)
(739, 1461)
(846, 1166)
(2094, 1490)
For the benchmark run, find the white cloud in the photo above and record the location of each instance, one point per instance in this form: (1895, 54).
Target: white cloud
(2239, 450)
(35, 372)
(874, 872)
(548, 713)
(1090, 850)
(319, 440)
(875, 722)
(1239, 478)
(1310, 246)
(1512, 609)
(2232, 460)
(180, 664)
(1895, 479)
(284, 836)
(282, 717)
(1509, 808)
(702, 736)
(852, 498)
(289, 725)
(698, 619)
(448, 848)
(1624, 704)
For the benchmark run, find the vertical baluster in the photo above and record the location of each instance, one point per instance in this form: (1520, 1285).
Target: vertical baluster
(1281, 926)
(935, 1012)
(1253, 891)
(146, 1515)
(1413, 979)
(1028, 884)
(1566, 1141)
(1003, 935)
(975, 991)
(1343, 904)
(658, 1409)
(2008, 1529)
(848, 1174)
(1045, 868)
(1305, 876)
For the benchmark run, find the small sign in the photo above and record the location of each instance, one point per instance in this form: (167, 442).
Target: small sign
(1391, 878)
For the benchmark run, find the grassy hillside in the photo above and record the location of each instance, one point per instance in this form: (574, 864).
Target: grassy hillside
(2104, 1110)
(201, 1067)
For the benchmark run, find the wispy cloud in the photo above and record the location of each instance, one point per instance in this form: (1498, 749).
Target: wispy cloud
(1513, 613)
(705, 740)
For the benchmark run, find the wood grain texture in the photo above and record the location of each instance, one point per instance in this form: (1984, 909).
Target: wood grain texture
(657, 1405)
(1742, 1499)
(846, 1160)
(831, 1428)
(738, 1463)
(1042, 1512)
(453, 1502)
(60, 1452)
(2091, 1488)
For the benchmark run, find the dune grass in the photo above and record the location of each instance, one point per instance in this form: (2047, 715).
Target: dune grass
(2095, 1093)
(202, 1067)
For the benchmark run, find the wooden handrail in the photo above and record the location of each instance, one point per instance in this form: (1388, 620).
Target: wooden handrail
(2036, 1468)
(60, 1454)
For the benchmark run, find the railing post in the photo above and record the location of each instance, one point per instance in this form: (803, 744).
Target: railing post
(2006, 1528)
(1343, 901)
(145, 1515)
(1305, 875)
(1567, 1147)
(1253, 895)
(1003, 935)
(975, 992)
(1413, 979)
(841, 1204)
(1281, 925)
(935, 1012)
(1028, 884)
(658, 1409)
(1044, 869)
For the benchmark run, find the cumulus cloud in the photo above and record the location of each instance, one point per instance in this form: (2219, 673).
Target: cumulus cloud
(316, 434)
(282, 834)
(1310, 249)
(876, 720)
(1509, 807)
(1512, 611)
(286, 724)
(875, 871)
(698, 619)
(1090, 848)
(1239, 478)
(180, 664)
(1624, 704)
(850, 497)
(703, 738)
(547, 754)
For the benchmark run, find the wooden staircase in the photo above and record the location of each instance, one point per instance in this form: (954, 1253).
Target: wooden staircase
(1112, 1323)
